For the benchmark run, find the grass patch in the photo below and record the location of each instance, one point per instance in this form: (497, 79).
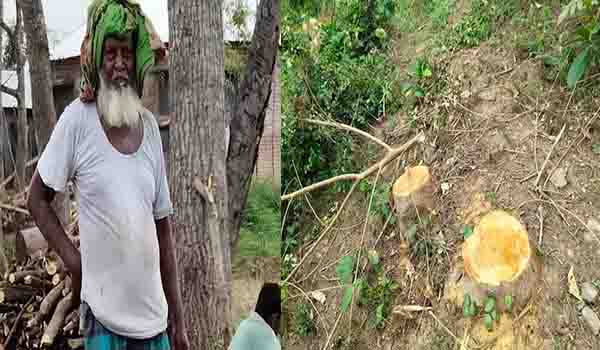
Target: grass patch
(261, 228)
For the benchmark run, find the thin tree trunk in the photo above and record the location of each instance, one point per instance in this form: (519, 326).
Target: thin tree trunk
(247, 125)
(22, 152)
(197, 151)
(3, 153)
(44, 113)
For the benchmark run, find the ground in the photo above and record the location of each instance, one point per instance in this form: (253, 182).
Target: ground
(487, 137)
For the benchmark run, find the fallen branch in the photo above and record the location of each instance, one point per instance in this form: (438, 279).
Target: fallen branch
(12, 176)
(13, 208)
(537, 180)
(391, 155)
(350, 128)
(357, 178)
(14, 326)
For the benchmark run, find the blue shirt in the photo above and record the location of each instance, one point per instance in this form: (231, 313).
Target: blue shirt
(254, 334)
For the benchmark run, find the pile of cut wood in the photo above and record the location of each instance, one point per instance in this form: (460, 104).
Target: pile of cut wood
(36, 311)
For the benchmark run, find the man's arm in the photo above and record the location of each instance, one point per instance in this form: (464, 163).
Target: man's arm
(169, 274)
(39, 203)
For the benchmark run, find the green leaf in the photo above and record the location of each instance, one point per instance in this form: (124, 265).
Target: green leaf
(468, 306)
(490, 304)
(467, 231)
(494, 315)
(427, 73)
(374, 258)
(596, 148)
(347, 299)
(345, 268)
(411, 233)
(379, 312)
(419, 92)
(508, 301)
(551, 61)
(488, 321)
(578, 67)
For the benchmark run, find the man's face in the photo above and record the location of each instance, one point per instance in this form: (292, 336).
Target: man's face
(118, 61)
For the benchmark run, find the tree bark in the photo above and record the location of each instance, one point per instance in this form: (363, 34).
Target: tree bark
(22, 153)
(247, 125)
(4, 151)
(44, 114)
(198, 153)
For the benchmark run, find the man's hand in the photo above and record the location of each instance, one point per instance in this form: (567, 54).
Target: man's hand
(39, 204)
(178, 335)
(169, 275)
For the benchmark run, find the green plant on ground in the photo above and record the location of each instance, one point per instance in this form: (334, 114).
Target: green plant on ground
(584, 37)
(303, 324)
(479, 24)
(380, 205)
(376, 293)
(490, 310)
(260, 232)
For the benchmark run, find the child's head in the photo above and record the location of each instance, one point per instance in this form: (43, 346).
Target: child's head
(268, 305)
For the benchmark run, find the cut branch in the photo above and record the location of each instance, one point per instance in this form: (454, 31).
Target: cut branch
(391, 155)
(350, 128)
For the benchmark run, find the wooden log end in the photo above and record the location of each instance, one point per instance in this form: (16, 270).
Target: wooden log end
(497, 260)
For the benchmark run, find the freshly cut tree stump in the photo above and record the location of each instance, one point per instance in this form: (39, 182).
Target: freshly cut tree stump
(497, 259)
(412, 195)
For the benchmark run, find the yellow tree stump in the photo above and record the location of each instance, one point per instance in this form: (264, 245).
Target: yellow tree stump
(498, 259)
(412, 196)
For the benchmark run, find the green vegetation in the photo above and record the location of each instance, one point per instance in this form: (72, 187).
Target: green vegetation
(303, 324)
(260, 234)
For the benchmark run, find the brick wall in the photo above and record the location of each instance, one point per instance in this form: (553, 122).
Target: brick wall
(268, 164)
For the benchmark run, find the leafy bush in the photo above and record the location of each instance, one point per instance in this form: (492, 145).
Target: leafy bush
(583, 37)
(336, 71)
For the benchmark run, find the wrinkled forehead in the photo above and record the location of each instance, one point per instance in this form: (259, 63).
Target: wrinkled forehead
(119, 41)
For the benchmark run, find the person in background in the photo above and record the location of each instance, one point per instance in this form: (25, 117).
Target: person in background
(259, 331)
(125, 275)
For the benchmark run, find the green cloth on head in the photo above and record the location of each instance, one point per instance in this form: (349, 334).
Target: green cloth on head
(116, 18)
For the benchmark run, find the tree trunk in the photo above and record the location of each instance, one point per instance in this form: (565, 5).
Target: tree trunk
(44, 113)
(246, 127)
(22, 152)
(3, 152)
(197, 152)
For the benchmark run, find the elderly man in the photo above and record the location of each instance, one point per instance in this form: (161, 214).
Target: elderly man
(109, 146)
(259, 331)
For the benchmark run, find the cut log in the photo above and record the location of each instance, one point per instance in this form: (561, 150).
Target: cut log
(497, 260)
(76, 343)
(19, 277)
(6, 308)
(29, 242)
(412, 195)
(54, 264)
(16, 294)
(47, 305)
(57, 320)
(37, 282)
(67, 288)
(56, 279)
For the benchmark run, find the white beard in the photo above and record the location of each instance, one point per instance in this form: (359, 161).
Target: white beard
(119, 106)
